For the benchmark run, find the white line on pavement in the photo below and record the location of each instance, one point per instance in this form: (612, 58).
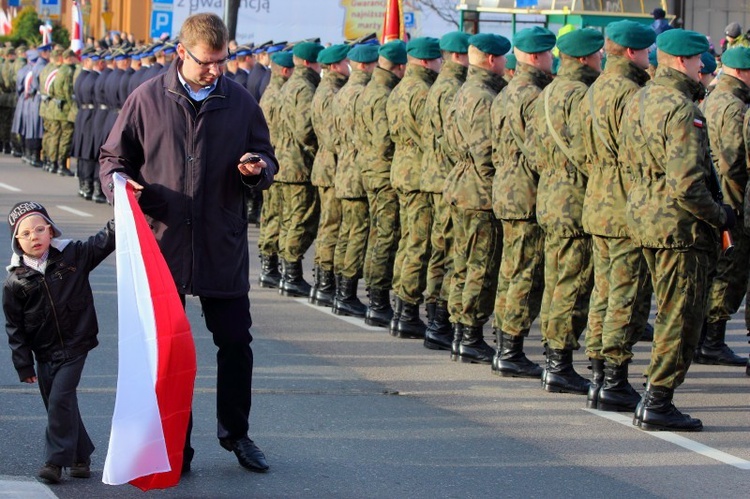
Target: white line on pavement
(9, 187)
(351, 320)
(676, 439)
(74, 211)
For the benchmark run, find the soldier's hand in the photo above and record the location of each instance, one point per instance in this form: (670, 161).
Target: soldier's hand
(731, 217)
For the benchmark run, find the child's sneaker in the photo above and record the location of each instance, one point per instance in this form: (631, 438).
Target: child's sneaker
(51, 473)
(80, 470)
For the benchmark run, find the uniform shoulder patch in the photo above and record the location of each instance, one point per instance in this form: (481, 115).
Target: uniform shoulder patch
(698, 123)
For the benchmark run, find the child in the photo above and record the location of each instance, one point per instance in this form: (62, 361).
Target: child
(49, 310)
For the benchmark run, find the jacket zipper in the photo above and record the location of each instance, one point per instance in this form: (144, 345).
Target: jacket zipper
(54, 311)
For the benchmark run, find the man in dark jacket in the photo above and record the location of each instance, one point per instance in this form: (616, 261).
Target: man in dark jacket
(194, 143)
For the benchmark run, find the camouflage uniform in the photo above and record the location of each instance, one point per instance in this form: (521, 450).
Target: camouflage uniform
(52, 134)
(514, 190)
(405, 110)
(324, 168)
(61, 124)
(436, 163)
(355, 224)
(376, 156)
(7, 99)
(670, 213)
(568, 270)
(621, 283)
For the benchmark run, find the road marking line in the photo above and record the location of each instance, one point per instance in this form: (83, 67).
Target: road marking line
(351, 320)
(74, 211)
(9, 187)
(678, 440)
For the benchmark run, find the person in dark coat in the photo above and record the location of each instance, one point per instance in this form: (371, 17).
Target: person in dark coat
(85, 151)
(259, 76)
(186, 139)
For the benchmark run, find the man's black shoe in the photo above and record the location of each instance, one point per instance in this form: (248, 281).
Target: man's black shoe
(248, 454)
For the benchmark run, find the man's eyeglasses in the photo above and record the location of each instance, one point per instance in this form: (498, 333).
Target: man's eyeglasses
(38, 230)
(219, 64)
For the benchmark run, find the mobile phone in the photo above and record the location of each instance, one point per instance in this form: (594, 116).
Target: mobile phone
(252, 159)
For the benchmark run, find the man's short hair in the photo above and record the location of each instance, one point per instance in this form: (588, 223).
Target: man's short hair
(205, 28)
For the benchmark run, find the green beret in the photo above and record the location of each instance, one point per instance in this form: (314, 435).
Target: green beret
(333, 54)
(283, 59)
(581, 42)
(364, 53)
(709, 63)
(490, 43)
(455, 41)
(682, 43)
(424, 47)
(510, 61)
(736, 58)
(534, 40)
(307, 51)
(631, 34)
(394, 51)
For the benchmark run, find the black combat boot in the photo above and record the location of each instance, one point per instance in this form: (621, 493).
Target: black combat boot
(458, 335)
(409, 324)
(54, 168)
(560, 375)
(346, 302)
(270, 276)
(597, 380)
(64, 171)
(314, 287)
(98, 196)
(656, 412)
(324, 294)
(439, 333)
(617, 395)
(292, 283)
(714, 350)
(510, 361)
(36, 158)
(473, 349)
(398, 306)
(379, 313)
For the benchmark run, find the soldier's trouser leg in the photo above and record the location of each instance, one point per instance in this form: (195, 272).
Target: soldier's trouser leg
(299, 220)
(628, 281)
(403, 222)
(6, 119)
(63, 146)
(483, 249)
(417, 248)
(328, 228)
(383, 239)
(599, 297)
(354, 231)
(270, 221)
(522, 266)
(458, 279)
(439, 267)
(680, 287)
(51, 139)
(730, 280)
(567, 289)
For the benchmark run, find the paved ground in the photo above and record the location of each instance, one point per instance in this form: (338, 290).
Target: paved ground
(343, 410)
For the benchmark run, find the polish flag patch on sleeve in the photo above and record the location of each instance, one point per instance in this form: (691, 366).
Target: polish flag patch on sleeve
(698, 123)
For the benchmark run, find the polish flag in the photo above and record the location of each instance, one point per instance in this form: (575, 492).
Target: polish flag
(5, 23)
(156, 358)
(393, 22)
(76, 33)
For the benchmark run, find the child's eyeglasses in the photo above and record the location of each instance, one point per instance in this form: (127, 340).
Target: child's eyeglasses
(38, 230)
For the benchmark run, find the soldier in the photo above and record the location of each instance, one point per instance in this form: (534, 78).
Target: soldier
(553, 138)
(468, 190)
(672, 216)
(88, 159)
(83, 119)
(102, 103)
(297, 145)
(708, 72)
(46, 78)
(351, 246)
(621, 283)
(514, 191)
(20, 68)
(245, 63)
(336, 65)
(7, 98)
(725, 109)
(376, 155)
(259, 76)
(406, 113)
(282, 66)
(61, 102)
(510, 67)
(735, 37)
(437, 162)
(32, 122)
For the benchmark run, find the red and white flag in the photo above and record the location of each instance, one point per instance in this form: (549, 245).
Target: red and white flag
(156, 358)
(5, 23)
(76, 33)
(393, 22)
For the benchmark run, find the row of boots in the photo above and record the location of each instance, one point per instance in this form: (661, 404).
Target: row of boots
(54, 167)
(91, 190)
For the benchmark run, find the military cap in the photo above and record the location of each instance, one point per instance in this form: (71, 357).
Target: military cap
(68, 53)
(709, 63)
(394, 51)
(510, 61)
(21, 50)
(263, 47)
(244, 50)
(333, 54)
(652, 59)
(121, 54)
(170, 47)
(232, 56)
(736, 58)
(733, 30)
(277, 47)
(455, 41)
(364, 53)
(370, 39)
(682, 43)
(44, 48)
(57, 52)
(283, 59)
(631, 34)
(581, 42)
(307, 51)
(490, 43)
(424, 47)
(534, 40)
